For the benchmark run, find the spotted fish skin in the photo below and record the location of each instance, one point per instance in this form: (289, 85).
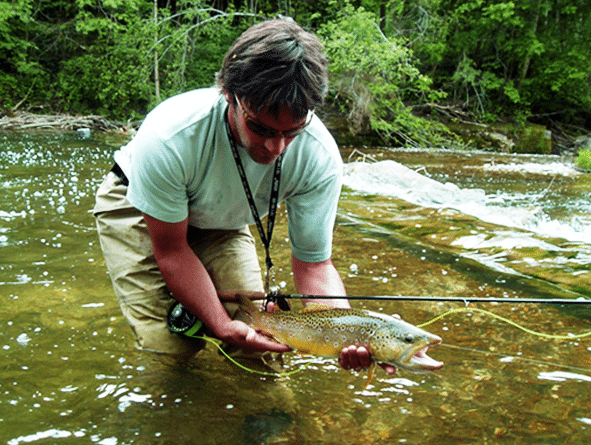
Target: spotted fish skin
(322, 330)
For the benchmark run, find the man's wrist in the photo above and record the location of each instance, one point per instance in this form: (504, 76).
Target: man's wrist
(223, 329)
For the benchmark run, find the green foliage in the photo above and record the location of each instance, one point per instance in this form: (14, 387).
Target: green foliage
(110, 72)
(533, 139)
(92, 56)
(113, 81)
(373, 77)
(584, 159)
(14, 19)
(423, 28)
(526, 59)
(191, 52)
(523, 55)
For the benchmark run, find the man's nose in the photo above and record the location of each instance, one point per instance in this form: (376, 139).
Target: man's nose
(276, 145)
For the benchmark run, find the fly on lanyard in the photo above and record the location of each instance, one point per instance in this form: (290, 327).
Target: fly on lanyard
(273, 201)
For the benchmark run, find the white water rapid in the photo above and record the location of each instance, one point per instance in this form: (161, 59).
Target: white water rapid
(507, 209)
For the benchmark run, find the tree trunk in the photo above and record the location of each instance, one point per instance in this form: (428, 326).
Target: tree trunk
(156, 70)
(527, 60)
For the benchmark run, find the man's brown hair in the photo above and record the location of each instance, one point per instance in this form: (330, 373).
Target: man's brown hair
(276, 63)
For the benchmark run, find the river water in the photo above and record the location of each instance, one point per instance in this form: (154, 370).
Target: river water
(433, 223)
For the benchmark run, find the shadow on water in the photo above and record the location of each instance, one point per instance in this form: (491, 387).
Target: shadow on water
(69, 371)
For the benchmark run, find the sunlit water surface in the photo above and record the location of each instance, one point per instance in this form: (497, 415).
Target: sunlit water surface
(70, 373)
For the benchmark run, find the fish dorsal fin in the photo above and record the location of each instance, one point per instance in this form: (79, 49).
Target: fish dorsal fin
(316, 307)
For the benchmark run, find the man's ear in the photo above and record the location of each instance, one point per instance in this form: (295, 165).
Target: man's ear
(228, 97)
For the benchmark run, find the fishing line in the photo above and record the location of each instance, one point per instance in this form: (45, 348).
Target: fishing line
(509, 322)
(246, 368)
(515, 358)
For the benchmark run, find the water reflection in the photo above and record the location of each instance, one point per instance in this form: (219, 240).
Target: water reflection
(70, 372)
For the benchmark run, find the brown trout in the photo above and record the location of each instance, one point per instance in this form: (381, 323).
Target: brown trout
(322, 330)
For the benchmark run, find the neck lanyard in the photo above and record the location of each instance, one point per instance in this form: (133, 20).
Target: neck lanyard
(273, 201)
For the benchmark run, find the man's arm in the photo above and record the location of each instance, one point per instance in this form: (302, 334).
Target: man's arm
(189, 282)
(319, 279)
(323, 279)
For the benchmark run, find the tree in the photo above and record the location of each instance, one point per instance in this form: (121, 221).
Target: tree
(16, 63)
(526, 59)
(520, 57)
(374, 78)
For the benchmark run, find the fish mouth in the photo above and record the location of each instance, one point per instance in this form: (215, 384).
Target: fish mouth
(421, 361)
(417, 360)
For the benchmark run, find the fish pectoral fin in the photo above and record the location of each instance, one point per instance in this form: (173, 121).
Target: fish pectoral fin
(316, 307)
(370, 374)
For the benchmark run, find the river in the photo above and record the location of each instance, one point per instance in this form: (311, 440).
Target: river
(411, 222)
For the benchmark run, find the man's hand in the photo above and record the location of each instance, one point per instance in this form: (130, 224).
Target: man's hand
(271, 307)
(240, 334)
(358, 357)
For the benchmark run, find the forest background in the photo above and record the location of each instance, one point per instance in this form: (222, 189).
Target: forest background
(403, 72)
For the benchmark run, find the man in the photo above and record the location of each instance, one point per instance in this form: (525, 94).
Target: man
(173, 214)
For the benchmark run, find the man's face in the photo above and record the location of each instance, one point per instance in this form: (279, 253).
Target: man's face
(263, 135)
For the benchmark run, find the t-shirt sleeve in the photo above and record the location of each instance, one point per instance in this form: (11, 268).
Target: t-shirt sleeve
(311, 216)
(157, 181)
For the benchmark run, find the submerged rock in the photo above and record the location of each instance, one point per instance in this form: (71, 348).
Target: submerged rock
(264, 428)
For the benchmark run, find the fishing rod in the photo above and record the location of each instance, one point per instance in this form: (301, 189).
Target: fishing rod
(273, 296)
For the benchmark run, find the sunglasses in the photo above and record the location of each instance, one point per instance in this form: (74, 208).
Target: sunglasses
(266, 132)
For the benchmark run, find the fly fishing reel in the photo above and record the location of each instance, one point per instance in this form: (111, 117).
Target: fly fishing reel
(181, 321)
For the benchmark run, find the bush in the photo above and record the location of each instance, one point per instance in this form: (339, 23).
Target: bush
(584, 159)
(372, 79)
(534, 139)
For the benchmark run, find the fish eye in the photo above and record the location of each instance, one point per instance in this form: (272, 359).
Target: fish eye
(408, 339)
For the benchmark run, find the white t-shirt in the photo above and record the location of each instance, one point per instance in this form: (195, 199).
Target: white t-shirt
(180, 164)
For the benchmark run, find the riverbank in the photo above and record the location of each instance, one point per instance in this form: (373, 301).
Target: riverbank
(499, 137)
(30, 121)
